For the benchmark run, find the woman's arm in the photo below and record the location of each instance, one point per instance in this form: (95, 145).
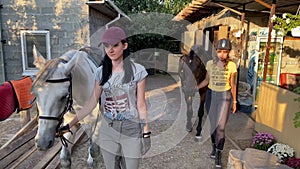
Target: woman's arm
(233, 90)
(204, 82)
(141, 104)
(89, 105)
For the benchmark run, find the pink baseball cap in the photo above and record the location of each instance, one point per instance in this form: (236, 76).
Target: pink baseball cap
(113, 35)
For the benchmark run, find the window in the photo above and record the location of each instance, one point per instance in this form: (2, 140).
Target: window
(41, 39)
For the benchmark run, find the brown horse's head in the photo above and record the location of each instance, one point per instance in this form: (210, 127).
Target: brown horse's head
(192, 70)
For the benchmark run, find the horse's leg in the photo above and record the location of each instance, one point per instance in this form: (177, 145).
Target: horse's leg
(189, 112)
(65, 155)
(92, 148)
(202, 93)
(90, 159)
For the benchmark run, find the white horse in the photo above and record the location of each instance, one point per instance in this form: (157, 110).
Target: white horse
(61, 85)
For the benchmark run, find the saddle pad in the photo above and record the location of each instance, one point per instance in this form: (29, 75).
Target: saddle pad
(7, 101)
(22, 89)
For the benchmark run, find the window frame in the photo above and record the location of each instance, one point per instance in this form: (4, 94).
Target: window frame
(27, 71)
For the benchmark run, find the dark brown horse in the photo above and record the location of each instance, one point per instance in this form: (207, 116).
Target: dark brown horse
(192, 71)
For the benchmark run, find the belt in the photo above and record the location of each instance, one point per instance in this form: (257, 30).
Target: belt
(119, 117)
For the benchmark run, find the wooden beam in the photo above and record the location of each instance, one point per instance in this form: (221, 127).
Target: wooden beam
(49, 155)
(263, 4)
(225, 7)
(5, 151)
(27, 128)
(266, 62)
(56, 160)
(20, 160)
(13, 156)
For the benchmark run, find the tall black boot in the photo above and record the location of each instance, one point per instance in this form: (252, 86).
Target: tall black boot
(213, 151)
(218, 158)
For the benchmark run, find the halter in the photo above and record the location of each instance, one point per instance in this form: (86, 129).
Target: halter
(68, 107)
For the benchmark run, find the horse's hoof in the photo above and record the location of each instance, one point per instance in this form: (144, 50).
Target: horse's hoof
(65, 164)
(90, 161)
(94, 150)
(189, 129)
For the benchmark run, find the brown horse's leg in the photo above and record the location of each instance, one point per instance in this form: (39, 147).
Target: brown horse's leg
(189, 112)
(202, 93)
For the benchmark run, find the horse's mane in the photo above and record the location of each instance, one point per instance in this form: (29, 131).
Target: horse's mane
(51, 65)
(46, 71)
(94, 54)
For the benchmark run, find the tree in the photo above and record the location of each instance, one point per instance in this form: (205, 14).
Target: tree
(162, 6)
(152, 25)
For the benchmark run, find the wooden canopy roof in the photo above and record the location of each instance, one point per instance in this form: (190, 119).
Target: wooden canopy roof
(198, 9)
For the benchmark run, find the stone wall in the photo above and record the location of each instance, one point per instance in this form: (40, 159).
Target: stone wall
(67, 20)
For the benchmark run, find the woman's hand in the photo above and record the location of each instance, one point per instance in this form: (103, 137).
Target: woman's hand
(234, 107)
(62, 130)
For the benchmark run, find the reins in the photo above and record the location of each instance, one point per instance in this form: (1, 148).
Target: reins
(68, 107)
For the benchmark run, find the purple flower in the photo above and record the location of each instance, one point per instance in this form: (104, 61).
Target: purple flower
(293, 162)
(263, 141)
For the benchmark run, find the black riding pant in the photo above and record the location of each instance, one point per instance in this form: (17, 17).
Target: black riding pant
(218, 105)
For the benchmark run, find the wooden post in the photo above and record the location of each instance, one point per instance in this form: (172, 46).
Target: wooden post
(269, 41)
(241, 52)
(24, 117)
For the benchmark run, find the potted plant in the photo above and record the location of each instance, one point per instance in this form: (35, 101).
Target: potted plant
(287, 23)
(263, 141)
(293, 162)
(297, 114)
(282, 151)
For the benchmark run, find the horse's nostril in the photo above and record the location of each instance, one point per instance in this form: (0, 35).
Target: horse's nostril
(50, 144)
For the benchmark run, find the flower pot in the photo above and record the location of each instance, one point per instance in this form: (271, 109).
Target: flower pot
(296, 31)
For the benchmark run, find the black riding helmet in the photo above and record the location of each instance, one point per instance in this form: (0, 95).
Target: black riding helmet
(223, 44)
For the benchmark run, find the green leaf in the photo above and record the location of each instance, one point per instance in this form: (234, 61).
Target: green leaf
(297, 120)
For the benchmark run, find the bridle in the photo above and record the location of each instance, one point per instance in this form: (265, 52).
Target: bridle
(68, 107)
(185, 59)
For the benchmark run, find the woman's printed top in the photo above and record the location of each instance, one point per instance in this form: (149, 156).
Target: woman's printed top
(118, 100)
(219, 78)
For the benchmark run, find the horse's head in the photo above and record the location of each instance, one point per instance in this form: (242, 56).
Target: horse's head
(191, 71)
(54, 88)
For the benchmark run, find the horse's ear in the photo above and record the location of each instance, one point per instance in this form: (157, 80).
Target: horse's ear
(39, 60)
(71, 63)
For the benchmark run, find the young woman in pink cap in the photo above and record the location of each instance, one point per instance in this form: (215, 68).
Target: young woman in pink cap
(220, 96)
(120, 83)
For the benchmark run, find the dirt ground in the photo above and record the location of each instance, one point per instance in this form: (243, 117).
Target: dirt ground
(9, 127)
(172, 147)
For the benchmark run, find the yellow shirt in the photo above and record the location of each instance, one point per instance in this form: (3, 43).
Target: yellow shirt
(219, 78)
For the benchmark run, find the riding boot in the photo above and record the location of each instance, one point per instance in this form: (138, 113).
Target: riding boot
(213, 151)
(218, 158)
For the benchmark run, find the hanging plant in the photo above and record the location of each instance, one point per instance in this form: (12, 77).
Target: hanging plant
(286, 23)
(297, 114)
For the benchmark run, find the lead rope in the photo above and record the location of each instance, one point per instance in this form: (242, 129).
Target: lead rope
(68, 107)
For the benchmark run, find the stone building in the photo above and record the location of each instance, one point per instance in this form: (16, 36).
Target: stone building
(54, 27)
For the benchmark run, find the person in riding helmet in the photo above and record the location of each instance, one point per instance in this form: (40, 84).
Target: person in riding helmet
(221, 95)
